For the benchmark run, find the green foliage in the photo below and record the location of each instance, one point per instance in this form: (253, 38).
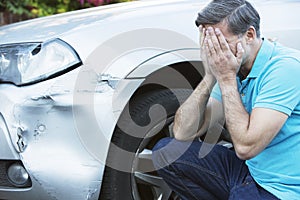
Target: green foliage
(16, 7)
(39, 8)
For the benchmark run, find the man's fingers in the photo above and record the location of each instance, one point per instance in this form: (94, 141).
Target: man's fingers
(206, 48)
(212, 36)
(223, 43)
(202, 35)
(210, 49)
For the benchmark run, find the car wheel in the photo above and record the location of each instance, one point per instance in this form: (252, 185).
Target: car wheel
(131, 175)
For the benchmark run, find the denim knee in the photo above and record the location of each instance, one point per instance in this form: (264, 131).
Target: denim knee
(162, 143)
(167, 151)
(159, 153)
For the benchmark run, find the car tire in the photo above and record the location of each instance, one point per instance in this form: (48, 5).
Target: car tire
(123, 178)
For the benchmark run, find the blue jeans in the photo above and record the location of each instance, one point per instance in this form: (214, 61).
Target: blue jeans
(196, 170)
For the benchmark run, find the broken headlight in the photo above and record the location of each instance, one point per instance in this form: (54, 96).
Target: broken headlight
(25, 63)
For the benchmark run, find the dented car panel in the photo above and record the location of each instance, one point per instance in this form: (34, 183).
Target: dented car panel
(41, 128)
(57, 118)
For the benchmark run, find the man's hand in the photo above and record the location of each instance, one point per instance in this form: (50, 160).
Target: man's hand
(203, 56)
(224, 65)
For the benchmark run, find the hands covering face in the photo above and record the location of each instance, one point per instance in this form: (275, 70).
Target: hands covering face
(218, 59)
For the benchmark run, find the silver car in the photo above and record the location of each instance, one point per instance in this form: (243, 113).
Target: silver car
(85, 95)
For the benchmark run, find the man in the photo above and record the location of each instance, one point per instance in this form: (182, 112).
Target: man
(257, 94)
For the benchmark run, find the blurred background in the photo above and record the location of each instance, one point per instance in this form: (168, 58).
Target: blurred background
(19, 10)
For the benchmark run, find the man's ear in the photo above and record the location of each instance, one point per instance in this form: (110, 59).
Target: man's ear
(250, 35)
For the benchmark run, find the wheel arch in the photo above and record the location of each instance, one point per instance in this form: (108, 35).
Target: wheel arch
(180, 68)
(187, 73)
(173, 70)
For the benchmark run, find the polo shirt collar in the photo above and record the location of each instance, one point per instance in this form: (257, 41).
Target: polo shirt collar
(263, 56)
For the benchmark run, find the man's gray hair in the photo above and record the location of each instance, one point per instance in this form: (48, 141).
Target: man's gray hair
(239, 15)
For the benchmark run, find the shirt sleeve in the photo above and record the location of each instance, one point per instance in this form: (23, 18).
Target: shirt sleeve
(279, 88)
(216, 93)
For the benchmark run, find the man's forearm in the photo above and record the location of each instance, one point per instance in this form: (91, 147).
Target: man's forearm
(237, 118)
(250, 133)
(190, 115)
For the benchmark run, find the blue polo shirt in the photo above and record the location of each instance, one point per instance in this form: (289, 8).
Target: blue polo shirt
(274, 83)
